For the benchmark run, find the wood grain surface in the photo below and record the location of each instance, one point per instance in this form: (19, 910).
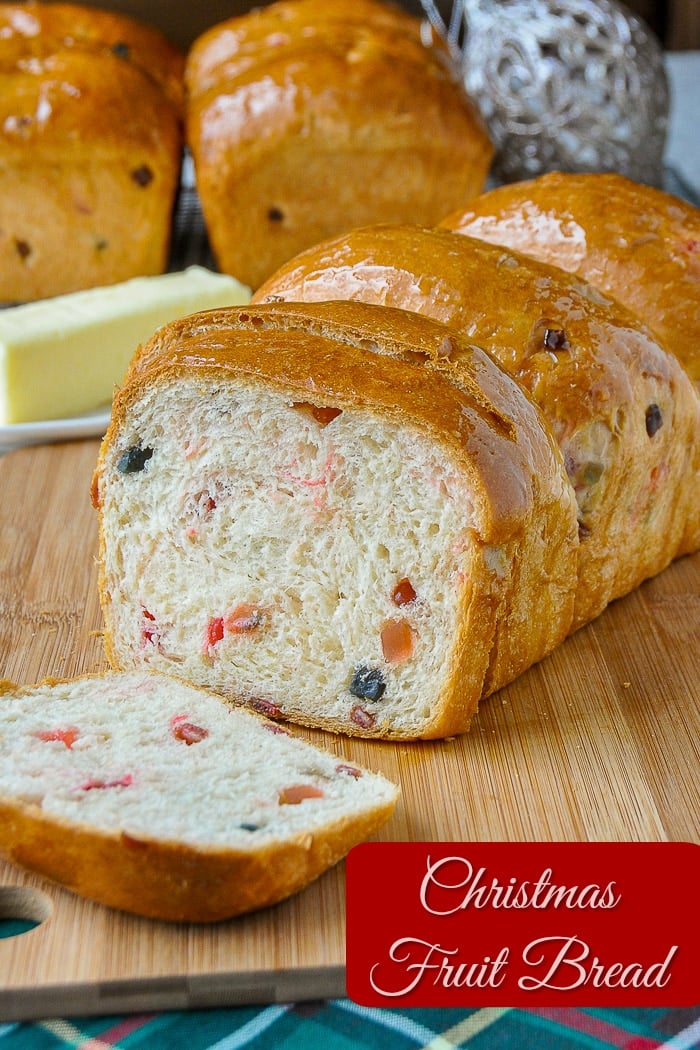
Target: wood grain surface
(601, 741)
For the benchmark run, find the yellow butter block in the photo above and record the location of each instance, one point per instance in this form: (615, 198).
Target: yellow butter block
(63, 356)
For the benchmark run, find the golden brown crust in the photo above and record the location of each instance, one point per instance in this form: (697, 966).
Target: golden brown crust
(167, 880)
(300, 127)
(634, 242)
(288, 26)
(91, 134)
(638, 482)
(401, 367)
(36, 30)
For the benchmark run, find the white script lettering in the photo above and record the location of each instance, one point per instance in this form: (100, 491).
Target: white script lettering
(433, 959)
(564, 968)
(479, 891)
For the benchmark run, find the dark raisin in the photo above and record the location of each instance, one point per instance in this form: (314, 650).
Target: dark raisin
(249, 827)
(584, 531)
(654, 419)
(23, 249)
(275, 214)
(555, 339)
(368, 683)
(121, 50)
(142, 176)
(101, 244)
(134, 459)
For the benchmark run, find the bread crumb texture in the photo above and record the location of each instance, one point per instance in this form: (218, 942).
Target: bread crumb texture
(150, 758)
(308, 560)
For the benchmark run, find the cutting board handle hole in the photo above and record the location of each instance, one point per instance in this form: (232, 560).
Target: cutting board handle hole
(22, 909)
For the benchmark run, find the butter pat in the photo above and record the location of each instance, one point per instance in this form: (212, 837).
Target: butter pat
(63, 356)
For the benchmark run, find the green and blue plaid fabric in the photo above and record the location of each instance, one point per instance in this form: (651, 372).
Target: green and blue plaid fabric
(342, 1025)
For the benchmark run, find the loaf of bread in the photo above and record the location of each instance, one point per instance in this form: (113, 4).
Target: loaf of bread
(152, 796)
(306, 118)
(634, 242)
(91, 114)
(311, 510)
(623, 411)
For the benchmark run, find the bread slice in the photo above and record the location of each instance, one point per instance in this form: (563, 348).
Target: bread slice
(625, 414)
(312, 510)
(150, 795)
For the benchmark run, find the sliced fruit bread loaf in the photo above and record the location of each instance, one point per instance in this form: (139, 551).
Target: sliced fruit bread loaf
(311, 509)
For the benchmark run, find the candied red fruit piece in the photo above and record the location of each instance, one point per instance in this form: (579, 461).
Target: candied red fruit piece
(296, 793)
(189, 732)
(150, 632)
(350, 771)
(362, 718)
(272, 727)
(215, 630)
(658, 475)
(243, 618)
(94, 783)
(265, 707)
(397, 641)
(404, 592)
(67, 736)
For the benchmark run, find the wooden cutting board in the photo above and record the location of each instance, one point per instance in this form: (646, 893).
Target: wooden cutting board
(601, 741)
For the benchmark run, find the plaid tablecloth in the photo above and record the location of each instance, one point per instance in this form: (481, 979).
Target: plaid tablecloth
(342, 1025)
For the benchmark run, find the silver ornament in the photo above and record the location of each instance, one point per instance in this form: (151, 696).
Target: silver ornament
(566, 85)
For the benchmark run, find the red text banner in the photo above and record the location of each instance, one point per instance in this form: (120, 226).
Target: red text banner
(523, 924)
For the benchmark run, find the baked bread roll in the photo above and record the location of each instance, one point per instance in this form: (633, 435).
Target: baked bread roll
(311, 510)
(623, 411)
(91, 108)
(634, 242)
(306, 118)
(151, 796)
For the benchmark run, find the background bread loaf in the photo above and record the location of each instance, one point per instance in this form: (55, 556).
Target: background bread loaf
(306, 118)
(312, 510)
(151, 796)
(91, 109)
(634, 242)
(623, 411)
